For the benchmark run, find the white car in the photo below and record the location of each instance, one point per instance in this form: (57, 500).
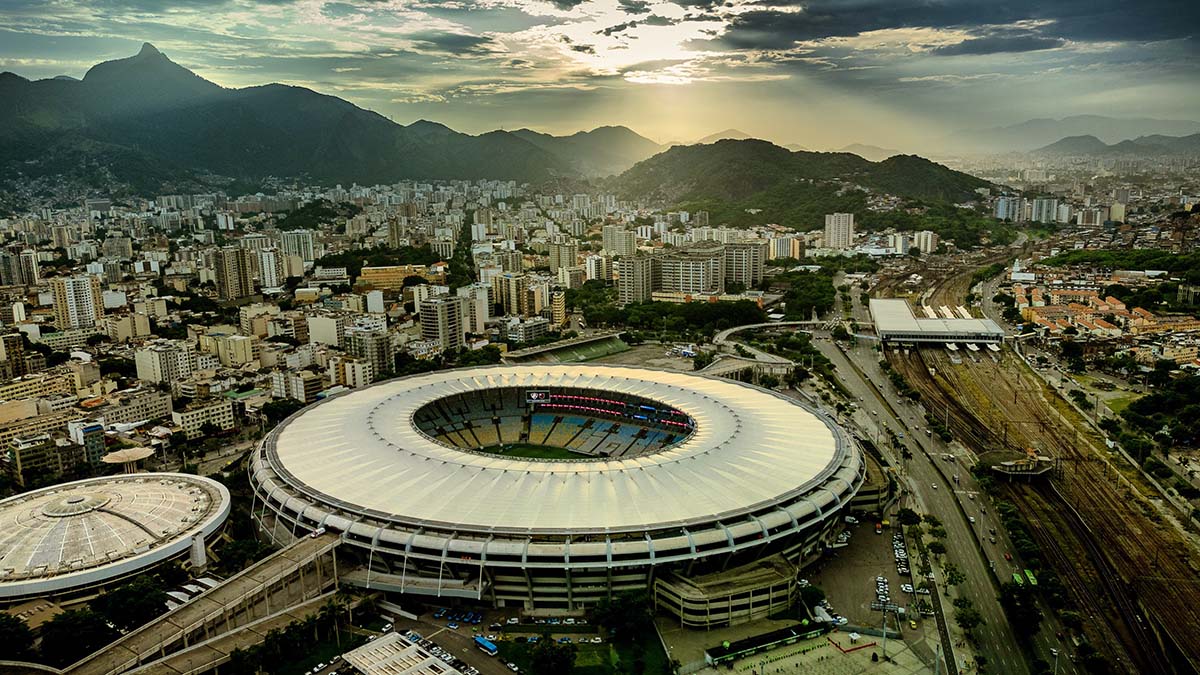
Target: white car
(972, 519)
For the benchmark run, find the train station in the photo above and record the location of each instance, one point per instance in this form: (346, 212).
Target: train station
(895, 322)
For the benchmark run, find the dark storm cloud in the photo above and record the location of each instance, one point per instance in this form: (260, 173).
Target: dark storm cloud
(634, 6)
(652, 20)
(1086, 20)
(566, 5)
(454, 43)
(997, 44)
(583, 49)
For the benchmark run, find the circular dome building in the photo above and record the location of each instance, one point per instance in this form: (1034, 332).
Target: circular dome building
(89, 533)
(553, 485)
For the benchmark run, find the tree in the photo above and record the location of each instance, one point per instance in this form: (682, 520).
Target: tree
(1020, 604)
(937, 547)
(811, 596)
(16, 640)
(968, 618)
(277, 411)
(840, 333)
(552, 658)
(907, 516)
(133, 604)
(73, 635)
(625, 616)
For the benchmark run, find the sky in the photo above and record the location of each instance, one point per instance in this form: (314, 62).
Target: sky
(818, 73)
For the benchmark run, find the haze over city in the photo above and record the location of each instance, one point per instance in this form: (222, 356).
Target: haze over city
(819, 74)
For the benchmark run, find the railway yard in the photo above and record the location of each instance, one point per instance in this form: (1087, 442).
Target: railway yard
(1122, 559)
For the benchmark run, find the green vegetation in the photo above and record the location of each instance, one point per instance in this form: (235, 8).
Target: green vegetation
(804, 293)
(316, 213)
(967, 228)
(1020, 605)
(1186, 265)
(749, 182)
(672, 320)
(533, 451)
(299, 645)
(355, 260)
(74, 634)
(16, 639)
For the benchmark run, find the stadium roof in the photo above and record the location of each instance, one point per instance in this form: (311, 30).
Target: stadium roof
(750, 448)
(894, 320)
(88, 531)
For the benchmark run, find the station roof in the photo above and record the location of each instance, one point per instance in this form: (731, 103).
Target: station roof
(894, 317)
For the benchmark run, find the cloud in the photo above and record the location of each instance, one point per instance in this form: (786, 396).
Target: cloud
(998, 44)
(454, 43)
(634, 6)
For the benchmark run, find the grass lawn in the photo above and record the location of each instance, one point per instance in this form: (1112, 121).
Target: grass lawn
(1121, 402)
(592, 659)
(532, 451)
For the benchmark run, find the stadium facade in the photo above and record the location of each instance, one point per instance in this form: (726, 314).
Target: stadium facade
(649, 476)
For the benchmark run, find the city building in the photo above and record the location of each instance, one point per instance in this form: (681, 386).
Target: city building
(217, 412)
(697, 269)
(77, 302)
(374, 347)
(637, 278)
(232, 271)
(745, 262)
(442, 321)
(618, 241)
(839, 230)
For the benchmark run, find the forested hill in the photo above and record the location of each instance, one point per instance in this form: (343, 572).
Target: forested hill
(752, 180)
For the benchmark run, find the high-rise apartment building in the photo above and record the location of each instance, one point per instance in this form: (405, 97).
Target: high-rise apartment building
(618, 241)
(511, 293)
(271, 274)
(697, 269)
(637, 278)
(598, 268)
(558, 308)
(165, 361)
(298, 243)
(839, 230)
(563, 254)
(442, 321)
(233, 273)
(374, 347)
(477, 307)
(926, 241)
(77, 302)
(786, 247)
(745, 262)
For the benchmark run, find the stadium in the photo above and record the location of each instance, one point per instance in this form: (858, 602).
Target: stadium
(551, 486)
(81, 536)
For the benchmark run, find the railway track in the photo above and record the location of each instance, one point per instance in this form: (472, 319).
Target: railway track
(1107, 542)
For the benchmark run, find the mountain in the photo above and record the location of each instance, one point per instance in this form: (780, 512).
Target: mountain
(600, 152)
(1144, 146)
(727, 135)
(1074, 145)
(1038, 133)
(136, 119)
(873, 153)
(797, 188)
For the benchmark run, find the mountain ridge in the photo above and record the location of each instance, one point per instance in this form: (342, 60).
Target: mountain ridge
(163, 114)
(1150, 145)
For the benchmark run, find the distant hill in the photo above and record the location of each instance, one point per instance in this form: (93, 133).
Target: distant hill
(600, 152)
(145, 120)
(736, 175)
(727, 135)
(873, 153)
(1155, 145)
(1038, 133)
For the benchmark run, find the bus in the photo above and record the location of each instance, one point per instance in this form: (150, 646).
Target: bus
(1018, 579)
(1032, 579)
(486, 646)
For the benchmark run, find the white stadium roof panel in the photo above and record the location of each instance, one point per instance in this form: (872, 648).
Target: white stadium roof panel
(750, 448)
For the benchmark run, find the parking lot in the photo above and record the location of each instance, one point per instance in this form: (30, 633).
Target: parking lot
(497, 626)
(867, 571)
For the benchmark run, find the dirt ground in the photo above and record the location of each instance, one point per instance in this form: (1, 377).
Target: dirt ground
(649, 356)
